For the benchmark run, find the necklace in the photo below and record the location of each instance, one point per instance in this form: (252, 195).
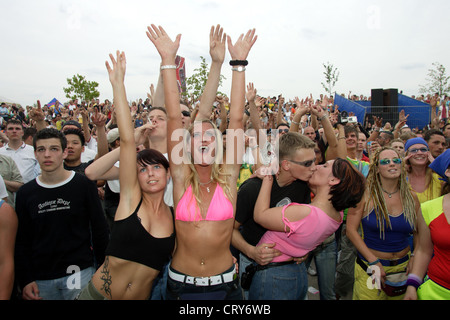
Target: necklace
(205, 183)
(390, 193)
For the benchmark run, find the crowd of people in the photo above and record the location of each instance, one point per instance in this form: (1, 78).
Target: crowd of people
(220, 198)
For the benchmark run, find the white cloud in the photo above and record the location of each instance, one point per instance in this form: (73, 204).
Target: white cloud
(373, 44)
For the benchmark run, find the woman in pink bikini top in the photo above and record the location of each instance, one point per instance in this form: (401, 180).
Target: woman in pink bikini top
(204, 184)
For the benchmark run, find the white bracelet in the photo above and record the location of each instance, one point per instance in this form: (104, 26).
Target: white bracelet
(238, 69)
(168, 67)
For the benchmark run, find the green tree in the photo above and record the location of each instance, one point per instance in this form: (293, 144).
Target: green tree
(331, 77)
(196, 83)
(437, 81)
(80, 88)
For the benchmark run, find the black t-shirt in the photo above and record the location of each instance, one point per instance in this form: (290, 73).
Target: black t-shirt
(298, 192)
(81, 168)
(59, 226)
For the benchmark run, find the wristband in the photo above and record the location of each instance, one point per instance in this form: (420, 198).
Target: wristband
(414, 281)
(238, 63)
(238, 69)
(168, 67)
(322, 117)
(297, 123)
(374, 263)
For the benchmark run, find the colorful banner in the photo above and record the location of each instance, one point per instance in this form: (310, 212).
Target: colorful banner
(181, 74)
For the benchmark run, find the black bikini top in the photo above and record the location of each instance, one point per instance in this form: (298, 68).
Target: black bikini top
(131, 241)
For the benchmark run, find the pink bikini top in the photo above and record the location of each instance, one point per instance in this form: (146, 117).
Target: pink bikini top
(219, 209)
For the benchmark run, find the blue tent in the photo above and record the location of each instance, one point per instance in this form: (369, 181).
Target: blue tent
(52, 104)
(419, 112)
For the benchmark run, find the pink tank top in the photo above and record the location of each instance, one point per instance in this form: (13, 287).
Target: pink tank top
(219, 209)
(304, 235)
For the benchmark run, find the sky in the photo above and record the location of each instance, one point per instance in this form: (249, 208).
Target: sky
(373, 44)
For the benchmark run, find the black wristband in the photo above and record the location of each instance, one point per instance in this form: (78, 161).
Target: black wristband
(238, 63)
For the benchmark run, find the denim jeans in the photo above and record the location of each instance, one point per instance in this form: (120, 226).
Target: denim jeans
(160, 284)
(325, 259)
(286, 282)
(243, 263)
(183, 291)
(63, 288)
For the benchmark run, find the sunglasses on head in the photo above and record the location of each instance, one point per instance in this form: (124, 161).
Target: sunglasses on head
(423, 150)
(305, 164)
(384, 162)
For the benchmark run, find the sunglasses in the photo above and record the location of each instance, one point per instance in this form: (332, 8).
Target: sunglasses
(305, 164)
(283, 130)
(384, 162)
(423, 150)
(186, 113)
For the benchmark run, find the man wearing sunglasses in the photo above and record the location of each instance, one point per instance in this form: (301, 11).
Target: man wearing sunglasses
(296, 166)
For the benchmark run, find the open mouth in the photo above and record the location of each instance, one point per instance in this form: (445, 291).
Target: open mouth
(203, 149)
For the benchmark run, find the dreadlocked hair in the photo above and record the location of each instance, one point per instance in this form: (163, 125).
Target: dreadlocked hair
(375, 192)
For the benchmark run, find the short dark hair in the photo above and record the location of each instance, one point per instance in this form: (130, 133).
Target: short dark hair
(28, 132)
(348, 193)
(50, 133)
(77, 132)
(14, 121)
(282, 124)
(152, 156)
(432, 132)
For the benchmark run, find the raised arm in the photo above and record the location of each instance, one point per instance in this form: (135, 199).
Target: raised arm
(99, 120)
(167, 49)
(217, 51)
(239, 52)
(127, 170)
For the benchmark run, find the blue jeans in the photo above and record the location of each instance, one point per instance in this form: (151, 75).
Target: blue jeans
(183, 291)
(243, 263)
(160, 284)
(64, 288)
(286, 282)
(325, 258)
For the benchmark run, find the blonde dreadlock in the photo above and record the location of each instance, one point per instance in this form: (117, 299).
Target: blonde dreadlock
(376, 194)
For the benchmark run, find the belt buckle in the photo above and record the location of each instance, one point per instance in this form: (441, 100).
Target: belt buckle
(202, 278)
(394, 263)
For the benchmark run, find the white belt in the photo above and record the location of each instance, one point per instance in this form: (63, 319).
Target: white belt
(204, 281)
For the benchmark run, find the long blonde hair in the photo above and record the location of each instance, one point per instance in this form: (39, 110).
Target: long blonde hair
(218, 174)
(375, 191)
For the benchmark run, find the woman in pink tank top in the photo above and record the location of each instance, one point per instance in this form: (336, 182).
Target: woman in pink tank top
(297, 229)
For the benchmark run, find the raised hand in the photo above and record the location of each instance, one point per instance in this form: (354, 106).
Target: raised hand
(167, 48)
(241, 49)
(37, 114)
(117, 72)
(251, 92)
(98, 118)
(217, 44)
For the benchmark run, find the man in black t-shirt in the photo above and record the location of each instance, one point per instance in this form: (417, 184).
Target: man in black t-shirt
(296, 166)
(62, 231)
